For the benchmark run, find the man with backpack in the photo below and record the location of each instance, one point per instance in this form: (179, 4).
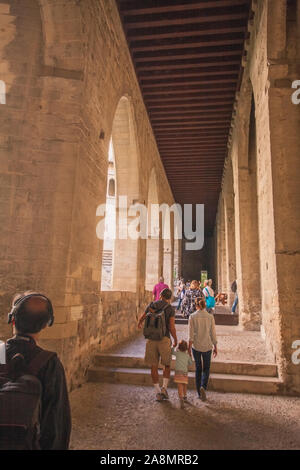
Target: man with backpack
(34, 405)
(159, 318)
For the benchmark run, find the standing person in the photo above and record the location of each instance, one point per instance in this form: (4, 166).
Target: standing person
(191, 294)
(181, 294)
(236, 299)
(31, 313)
(183, 361)
(209, 296)
(202, 340)
(160, 349)
(158, 288)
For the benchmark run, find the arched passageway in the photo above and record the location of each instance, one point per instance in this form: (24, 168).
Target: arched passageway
(124, 266)
(171, 132)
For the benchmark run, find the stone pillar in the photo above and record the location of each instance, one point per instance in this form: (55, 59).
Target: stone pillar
(218, 250)
(222, 255)
(168, 265)
(246, 219)
(177, 258)
(168, 260)
(284, 115)
(152, 263)
(125, 265)
(229, 232)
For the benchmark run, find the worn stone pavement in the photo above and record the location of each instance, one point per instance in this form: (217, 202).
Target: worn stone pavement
(127, 417)
(110, 416)
(233, 344)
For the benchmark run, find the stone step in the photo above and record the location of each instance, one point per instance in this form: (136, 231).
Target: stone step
(220, 319)
(219, 367)
(218, 382)
(181, 321)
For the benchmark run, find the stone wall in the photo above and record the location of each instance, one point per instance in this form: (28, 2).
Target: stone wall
(271, 65)
(67, 66)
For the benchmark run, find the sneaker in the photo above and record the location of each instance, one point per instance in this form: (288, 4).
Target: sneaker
(164, 393)
(202, 394)
(185, 399)
(159, 397)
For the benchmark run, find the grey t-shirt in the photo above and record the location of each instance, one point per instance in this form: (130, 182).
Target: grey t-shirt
(169, 312)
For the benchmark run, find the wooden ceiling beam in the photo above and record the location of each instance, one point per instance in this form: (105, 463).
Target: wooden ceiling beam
(193, 53)
(185, 18)
(146, 7)
(190, 64)
(185, 30)
(230, 39)
(184, 82)
(184, 73)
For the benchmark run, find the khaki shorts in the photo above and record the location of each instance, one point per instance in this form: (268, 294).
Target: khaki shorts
(158, 349)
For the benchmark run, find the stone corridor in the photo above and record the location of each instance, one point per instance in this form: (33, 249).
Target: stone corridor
(149, 139)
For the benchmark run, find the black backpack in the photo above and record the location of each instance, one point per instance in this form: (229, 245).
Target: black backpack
(20, 402)
(155, 326)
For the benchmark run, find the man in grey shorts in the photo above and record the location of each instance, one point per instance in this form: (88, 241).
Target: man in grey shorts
(161, 350)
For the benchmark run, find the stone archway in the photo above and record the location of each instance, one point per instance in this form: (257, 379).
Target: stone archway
(153, 270)
(125, 253)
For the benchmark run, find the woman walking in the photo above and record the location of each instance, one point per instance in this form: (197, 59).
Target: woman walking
(189, 300)
(202, 341)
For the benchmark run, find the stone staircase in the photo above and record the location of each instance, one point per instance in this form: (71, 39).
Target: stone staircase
(226, 376)
(220, 319)
(222, 315)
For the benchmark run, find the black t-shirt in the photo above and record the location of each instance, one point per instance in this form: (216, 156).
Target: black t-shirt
(169, 312)
(56, 415)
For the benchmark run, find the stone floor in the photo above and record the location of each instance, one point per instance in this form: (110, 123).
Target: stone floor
(233, 344)
(128, 417)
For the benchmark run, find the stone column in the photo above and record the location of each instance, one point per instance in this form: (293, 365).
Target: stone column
(168, 253)
(284, 116)
(229, 232)
(152, 263)
(223, 256)
(168, 265)
(246, 216)
(218, 255)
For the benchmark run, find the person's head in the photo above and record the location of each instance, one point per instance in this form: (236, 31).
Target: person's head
(183, 346)
(200, 303)
(194, 284)
(206, 282)
(161, 279)
(209, 282)
(33, 314)
(166, 294)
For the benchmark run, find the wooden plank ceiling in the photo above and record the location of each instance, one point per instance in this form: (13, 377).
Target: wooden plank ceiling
(187, 56)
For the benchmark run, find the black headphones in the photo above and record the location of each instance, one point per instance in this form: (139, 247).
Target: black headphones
(16, 306)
